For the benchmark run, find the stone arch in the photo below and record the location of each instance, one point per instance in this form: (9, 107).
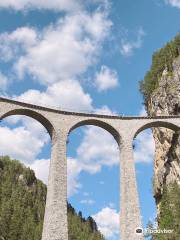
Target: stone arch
(165, 124)
(98, 123)
(113, 133)
(32, 114)
(37, 116)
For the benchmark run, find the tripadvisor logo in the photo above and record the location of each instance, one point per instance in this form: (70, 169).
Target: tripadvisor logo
(159, 231)
(153, 231)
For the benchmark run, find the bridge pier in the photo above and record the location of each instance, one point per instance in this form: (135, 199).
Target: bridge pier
(55, 219)
(130, 217)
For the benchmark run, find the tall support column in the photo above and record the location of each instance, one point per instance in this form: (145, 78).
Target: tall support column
(130, 218)
(55, 219)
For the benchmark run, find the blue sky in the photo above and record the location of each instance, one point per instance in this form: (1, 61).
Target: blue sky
(83, 56)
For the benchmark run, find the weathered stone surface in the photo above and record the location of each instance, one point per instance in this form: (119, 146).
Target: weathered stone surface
(165, 100)
(59, 124)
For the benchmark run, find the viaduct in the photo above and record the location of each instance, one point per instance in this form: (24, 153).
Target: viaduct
(59, 124)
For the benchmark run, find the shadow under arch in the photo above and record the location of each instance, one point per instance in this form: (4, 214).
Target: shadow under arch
(32, 114)
(101, 124)
(164, 124)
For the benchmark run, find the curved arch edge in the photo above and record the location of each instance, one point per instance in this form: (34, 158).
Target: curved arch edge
(98, 123)
(32, 114)
(158, 124)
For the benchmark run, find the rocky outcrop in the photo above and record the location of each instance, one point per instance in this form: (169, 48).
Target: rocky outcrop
(165, 100)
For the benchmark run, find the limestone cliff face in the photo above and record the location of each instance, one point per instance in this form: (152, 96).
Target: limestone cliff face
(165, 100)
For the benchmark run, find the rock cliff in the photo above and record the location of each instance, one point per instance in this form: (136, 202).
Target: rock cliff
(165, 100)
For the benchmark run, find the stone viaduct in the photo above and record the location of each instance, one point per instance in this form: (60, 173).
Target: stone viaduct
(59, 124)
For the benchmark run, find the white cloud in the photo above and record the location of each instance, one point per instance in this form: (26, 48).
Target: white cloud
(3, 82)
(17, 42)
(67, 95)
(56, 5)
(144, 147)
(87, 201)
(73, 169)
(41, 169)
(60, 51)
(56, 57)
(173, 3)
(20, 143)
(108, 222)
(105, 110)
(127, 47)
(24, 139)
(106, 79)
(97, 148)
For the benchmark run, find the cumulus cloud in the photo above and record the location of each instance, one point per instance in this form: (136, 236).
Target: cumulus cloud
(17, 42)
(21, 144)
(108, 222)
(74, 170)
(41, 169)
(127, 47)
(60, 51)
(3, 82)
(105, 110)
(97, 148)
(106, 79)
(67, 94)
(173, 3)
(55, 5)
(144, 147)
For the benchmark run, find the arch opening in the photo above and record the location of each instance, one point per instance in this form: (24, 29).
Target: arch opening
(25, 148)
(156, 124)
(32, 114)
(98, 123)
(93, 175)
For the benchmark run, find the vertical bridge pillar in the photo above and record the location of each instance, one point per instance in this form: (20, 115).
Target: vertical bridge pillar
(130, 217)
(55, 219)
